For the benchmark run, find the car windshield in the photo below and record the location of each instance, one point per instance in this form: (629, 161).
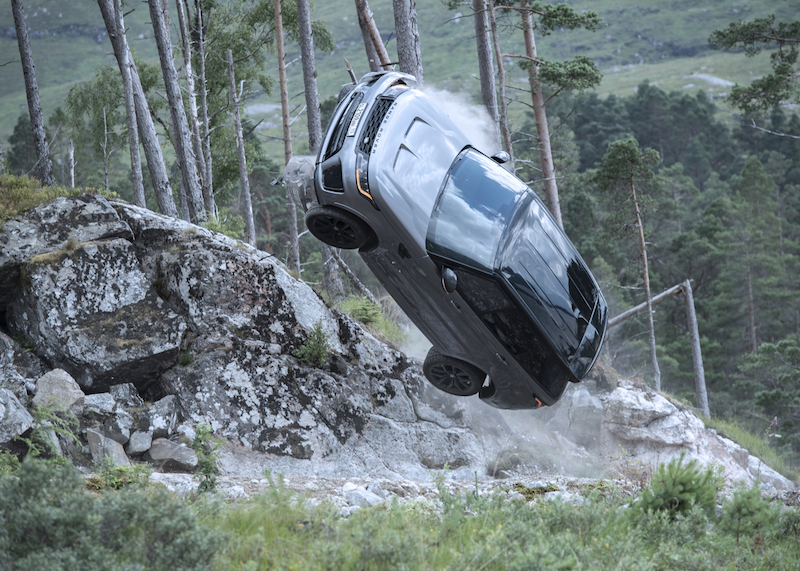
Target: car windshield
(469, 217)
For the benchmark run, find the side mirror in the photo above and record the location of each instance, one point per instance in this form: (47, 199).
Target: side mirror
(449, 280)
(501, 157)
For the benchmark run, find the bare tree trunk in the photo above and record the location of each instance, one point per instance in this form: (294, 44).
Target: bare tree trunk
(71, 163)
(180, 128)
(2, 164)
(197, 143)
(409, 51)
(542, 132)
(372, 54)
(294, 240)
(650, 324)
(44, 164)
(365, 18)
(130, 113)
(309, 76)
(200, 47)
(249, 226)
(355, 281)
(501, 80)
(485, 67)
(697, 355)
(332, 281)
(147, 129)
(106, 154)
(751, 313)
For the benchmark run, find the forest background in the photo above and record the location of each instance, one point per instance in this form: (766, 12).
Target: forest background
(724, 211)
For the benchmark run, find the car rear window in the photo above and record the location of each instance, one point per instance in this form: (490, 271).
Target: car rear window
(474, 206)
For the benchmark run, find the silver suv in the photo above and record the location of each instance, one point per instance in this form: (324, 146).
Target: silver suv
(467, 250)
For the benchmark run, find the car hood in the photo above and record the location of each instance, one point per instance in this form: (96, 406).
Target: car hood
(413, 151)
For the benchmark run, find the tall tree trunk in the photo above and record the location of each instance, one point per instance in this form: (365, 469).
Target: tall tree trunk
(309, 76)
(369, 29)
(332, 281)
(44, 164)
(130, 113)
(751, 313)
(147, 129)
(106, 153)
(71, 163)
(501, 80)
(181, 139)
(485, 67)
(249, 226)
(2, 165)
(650, 324)
(409, 51)
(697, 355)
(373, 59)
(200, 48)
(197, 143)
(294, 240)
(542, 132)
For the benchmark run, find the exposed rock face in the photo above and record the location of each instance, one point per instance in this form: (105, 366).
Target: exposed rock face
(120, 304)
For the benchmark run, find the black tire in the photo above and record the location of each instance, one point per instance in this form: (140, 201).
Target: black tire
(338, 228)
(451, 375)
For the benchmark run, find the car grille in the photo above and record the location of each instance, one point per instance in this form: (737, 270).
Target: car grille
(340, 132)
(374, 121)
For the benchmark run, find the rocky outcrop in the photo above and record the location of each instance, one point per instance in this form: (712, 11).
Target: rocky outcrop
(144, 326)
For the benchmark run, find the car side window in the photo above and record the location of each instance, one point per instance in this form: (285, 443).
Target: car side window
(472, 211)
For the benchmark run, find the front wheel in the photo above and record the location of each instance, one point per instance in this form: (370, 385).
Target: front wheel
(338, 228)
(451, 375)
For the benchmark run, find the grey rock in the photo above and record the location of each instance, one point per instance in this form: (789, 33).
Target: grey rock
(48, 227)
(567, 497)
(101, 447)
(119, 426)
(15, 420)
(162, 417)
(126, 394)
(91, 311)
(99, 406)
(360, 497)
(139, 443)
(171, 456)
(375, 488)
(59, 390)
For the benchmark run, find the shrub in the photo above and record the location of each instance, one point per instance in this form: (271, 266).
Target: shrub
(315, 350)
(677, 487)
(9, 464)
(49, 521)
(206, 446)
(746, 513)
(371, 316)
(48, 425)
(109, 476)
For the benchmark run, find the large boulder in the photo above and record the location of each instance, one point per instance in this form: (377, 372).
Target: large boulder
(15, 420)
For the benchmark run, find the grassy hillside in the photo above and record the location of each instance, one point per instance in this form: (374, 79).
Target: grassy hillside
(664, 43)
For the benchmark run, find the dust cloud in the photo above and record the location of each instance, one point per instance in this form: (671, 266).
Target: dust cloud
(472, 119)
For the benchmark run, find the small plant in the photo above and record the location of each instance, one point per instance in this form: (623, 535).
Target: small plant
(677, 487)
(48, 425)
(9, 464)
(232, 225)
(185, 358)
(206, 446)
(746, 513)
(110, 476)
(316, 349)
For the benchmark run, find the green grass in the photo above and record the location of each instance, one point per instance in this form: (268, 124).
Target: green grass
(370, 316)
(19, 193)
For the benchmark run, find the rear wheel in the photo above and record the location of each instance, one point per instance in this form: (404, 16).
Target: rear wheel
(451, 375)
(339, 228)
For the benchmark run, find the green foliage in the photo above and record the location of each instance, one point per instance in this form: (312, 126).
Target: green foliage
(230, 224)
(207, 448)
(361, 309)
(314, 352)
(109, 476)
(49, 424)
(49, 521)
(759, 34)
(577, 74)
(9, 463)
(747, 514)
(676, 488)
